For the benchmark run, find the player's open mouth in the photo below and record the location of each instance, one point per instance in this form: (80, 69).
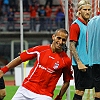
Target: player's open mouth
(59, 46)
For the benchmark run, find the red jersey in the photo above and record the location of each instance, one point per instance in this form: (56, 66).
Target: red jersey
(75, 31)
(32, 12)
(47, 69)
(98, 13)
(48, 12)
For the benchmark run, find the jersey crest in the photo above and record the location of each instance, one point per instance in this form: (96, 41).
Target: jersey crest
(56, 65)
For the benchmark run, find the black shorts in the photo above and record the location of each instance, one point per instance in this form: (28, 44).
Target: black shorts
(83, 80)
(2, 84)
(96, 77)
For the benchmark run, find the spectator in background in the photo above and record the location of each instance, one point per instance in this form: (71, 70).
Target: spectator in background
(32, 18)
(58, 7)
(60, 18)
(70, 12)
(5, 6)
(48, 18)
(10, 19)
(42, 15)
(26, 5)
(12, 4)
(17, 5)
(37, 23)
(1, 16)
(49, 2)
(1, 3)
(34, 3)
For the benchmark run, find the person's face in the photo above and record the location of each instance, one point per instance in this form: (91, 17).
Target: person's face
(59, 39)
(85, 12)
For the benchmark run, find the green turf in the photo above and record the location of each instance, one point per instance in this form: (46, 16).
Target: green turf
(10, 91)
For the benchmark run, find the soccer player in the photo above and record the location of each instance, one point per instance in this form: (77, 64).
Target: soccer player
(93, 44)
(51, 63)
(78, 47)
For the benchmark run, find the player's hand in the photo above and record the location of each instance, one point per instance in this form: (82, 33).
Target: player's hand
(82, 67)
(1, 73)
(58, 98)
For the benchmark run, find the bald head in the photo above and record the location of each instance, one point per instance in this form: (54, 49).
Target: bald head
(61, 30)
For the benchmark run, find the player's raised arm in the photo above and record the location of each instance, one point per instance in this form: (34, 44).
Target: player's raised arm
(15, 62)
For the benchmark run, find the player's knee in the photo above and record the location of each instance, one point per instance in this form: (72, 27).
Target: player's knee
(97, 94)
(2, 94)
(79, 92)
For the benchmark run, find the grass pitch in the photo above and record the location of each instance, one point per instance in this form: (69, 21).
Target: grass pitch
(10, 91)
